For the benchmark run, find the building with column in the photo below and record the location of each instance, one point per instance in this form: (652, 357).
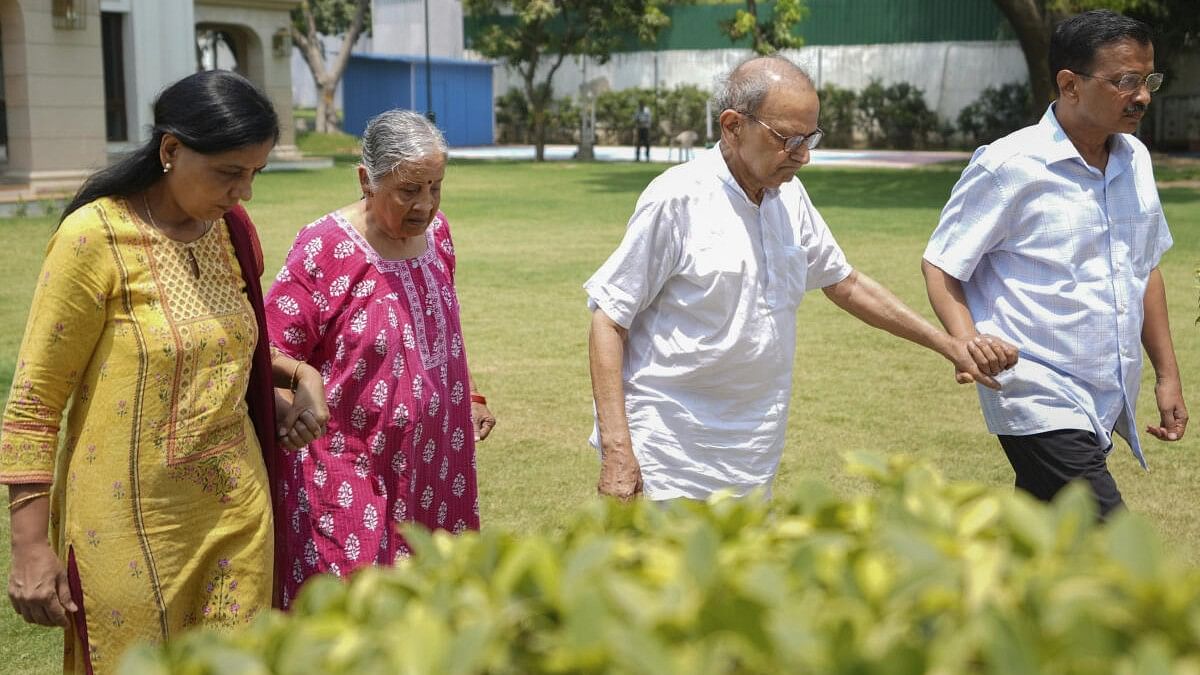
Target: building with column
(80, 76)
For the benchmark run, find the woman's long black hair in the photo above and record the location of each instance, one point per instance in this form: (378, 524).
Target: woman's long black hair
(210, 112)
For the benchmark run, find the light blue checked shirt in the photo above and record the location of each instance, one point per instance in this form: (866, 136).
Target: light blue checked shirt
(1054, 256)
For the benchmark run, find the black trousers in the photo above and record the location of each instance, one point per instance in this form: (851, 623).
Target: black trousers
(1047, 461)
(643, 141)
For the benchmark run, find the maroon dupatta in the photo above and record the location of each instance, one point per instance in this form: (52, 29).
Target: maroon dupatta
(260, 394)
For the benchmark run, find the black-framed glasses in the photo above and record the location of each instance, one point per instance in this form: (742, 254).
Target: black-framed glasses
(1129, 82)
(792, 144)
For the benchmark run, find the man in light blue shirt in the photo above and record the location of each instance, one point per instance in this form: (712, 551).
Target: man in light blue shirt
(1051, 240)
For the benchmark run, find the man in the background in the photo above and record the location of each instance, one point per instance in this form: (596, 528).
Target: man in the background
(642, 120)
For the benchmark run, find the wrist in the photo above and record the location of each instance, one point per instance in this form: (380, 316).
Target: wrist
(479, 398)
(1167, 378)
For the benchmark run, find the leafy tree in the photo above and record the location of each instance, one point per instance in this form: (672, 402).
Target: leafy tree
(768, 36)
(314, 18)
(534, 37)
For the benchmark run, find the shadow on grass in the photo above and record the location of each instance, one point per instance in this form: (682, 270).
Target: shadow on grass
(833, 187)
(627, 179)
(1179, 195)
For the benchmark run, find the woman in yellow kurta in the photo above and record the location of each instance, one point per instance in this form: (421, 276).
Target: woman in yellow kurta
(142, 321)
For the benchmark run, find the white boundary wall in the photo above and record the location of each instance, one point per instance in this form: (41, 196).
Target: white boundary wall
(951, 74)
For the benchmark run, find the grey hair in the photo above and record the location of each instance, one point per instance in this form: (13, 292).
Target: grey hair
(397, 138)
(745, 88)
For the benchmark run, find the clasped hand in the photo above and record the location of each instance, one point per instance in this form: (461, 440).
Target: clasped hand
(979, 358)
(301, 416)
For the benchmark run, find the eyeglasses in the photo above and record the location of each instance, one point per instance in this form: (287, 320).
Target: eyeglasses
(1130, 82)
(792, 144)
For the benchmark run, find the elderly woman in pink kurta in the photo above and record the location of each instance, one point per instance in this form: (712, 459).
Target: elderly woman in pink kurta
(367, 297)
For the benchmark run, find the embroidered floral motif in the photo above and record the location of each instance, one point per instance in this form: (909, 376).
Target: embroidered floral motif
(378, 439)
(399, 463)
(221, 606)
(370, 517)
(363, 288)
(325, 524)
(358, 323)
(287, 305)
(345, 495)
(337, 443)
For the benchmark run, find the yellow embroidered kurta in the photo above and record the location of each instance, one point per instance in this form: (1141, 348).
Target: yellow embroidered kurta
(160, 489)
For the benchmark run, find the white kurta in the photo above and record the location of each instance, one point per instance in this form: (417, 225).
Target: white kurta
(708, 284)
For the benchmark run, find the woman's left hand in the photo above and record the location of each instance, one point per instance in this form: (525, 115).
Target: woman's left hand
(482, 419)
(302, 420)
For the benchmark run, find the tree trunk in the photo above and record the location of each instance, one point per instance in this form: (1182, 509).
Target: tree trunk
(539, 132)
(327, 119)
(327, 76)
(1032, 26)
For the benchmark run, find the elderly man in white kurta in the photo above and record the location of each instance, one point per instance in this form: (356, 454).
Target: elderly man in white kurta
(694, 315)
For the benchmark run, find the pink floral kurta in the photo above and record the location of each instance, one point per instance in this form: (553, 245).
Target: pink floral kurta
(400, 446)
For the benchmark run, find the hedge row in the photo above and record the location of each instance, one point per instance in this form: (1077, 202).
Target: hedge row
(893, 116)
(917, 576)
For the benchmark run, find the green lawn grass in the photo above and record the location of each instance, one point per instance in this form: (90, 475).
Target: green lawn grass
(527, 237)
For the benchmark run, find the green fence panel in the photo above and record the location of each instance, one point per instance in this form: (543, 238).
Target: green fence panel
(829, 22)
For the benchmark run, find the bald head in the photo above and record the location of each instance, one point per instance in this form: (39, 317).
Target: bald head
(747, 85)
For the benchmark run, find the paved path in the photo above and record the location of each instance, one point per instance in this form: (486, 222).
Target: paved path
(897, 159)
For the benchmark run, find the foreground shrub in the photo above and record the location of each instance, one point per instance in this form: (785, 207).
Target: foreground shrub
(921, 576)
(996, 113)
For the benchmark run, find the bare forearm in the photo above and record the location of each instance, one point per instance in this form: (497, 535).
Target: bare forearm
(29, 515)
(286, 372)
(948, 301)
(871, 303)
(1156, 329)
(606, 352)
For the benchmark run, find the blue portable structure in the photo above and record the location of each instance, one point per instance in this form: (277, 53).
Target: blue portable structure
(462, 94)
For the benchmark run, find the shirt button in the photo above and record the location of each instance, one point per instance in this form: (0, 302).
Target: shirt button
(1121, 307)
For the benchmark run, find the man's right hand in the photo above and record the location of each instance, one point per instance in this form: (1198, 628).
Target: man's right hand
(37, 585)
(620, 475)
